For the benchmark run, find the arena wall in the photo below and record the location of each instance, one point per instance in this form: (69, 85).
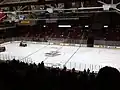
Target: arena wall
(65, 42)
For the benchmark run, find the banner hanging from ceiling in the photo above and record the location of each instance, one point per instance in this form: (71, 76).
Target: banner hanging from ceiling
(2, 15)
(27, 23)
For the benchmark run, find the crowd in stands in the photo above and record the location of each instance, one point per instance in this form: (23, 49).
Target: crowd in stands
(65, 33)
(16, 75)
(50, 31)
(74, 33)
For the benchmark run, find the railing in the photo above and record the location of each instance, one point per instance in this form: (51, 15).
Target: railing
(70, 65)
(53, 65)
(107, 43)
(83, 66)
(20, 58)
(77, 66)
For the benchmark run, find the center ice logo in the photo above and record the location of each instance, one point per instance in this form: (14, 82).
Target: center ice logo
(52, 54)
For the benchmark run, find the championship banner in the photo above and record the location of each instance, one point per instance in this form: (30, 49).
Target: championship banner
(26, 23)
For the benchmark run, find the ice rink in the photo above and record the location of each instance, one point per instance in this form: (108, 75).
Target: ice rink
(79, 58)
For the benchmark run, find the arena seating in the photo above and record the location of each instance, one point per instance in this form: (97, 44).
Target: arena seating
(73, 33)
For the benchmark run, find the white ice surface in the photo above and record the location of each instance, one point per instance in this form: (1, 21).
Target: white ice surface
(93, 58)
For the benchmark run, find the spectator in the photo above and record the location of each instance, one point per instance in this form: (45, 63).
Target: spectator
(108, 78)
(16, 75)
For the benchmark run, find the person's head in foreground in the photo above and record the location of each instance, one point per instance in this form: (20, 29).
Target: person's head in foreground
(108, 78)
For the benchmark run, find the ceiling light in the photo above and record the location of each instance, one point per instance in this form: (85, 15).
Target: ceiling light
(50, 10)
(64, 25)
(44, 26)
(105, 26)
(86, 26)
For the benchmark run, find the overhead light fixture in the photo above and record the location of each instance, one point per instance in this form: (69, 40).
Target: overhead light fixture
(50, 10)
(44, 26)
(86, 26)
(105, 26)
(64, 25)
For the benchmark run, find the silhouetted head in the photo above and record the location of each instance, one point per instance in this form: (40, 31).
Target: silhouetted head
(65, 68)
(108, 78)
(73, 70)
(42, 64)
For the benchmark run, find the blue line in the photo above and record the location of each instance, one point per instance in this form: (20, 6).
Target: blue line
(71, 56)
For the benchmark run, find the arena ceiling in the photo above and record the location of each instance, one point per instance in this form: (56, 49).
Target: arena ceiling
(61, 11)
(42, 2)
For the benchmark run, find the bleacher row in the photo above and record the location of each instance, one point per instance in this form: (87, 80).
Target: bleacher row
(16, 75)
